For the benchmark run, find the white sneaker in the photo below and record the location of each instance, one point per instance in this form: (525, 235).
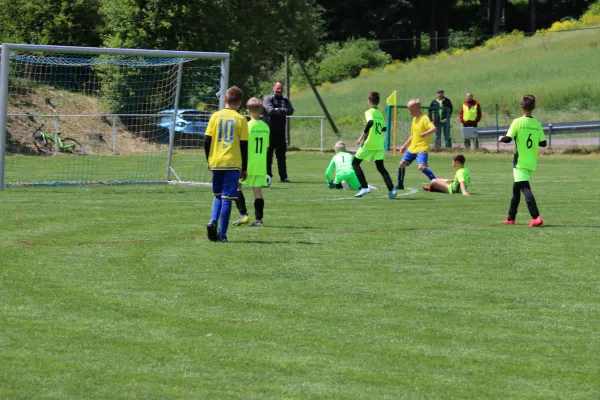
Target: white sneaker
(362, 192)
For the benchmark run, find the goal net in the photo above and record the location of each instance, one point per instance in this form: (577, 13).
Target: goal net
(71, 116)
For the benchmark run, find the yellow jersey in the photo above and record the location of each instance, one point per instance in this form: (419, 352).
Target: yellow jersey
(419, 125)
(226, 128)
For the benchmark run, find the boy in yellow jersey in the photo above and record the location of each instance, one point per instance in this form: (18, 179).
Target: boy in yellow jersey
(344, 172)
(529, 136)
(417, 143)
(459, 184)
(371, 143)
(226, 147)
(258, 143)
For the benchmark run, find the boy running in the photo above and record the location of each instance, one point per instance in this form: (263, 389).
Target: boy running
(371, 144)
(258, 138)
(344, 172)
(528, 135)
(418, 143)
(226, 147)
(459, 184)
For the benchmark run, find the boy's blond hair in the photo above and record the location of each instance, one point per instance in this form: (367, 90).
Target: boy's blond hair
(340, 146)
(414, 102)
(255, 106)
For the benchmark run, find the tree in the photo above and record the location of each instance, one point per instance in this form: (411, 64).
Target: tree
(256, 34)
(75, 22)
(532, 14)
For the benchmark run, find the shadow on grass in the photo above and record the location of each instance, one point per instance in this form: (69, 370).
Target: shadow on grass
(291, 227)
(570, 226)
(276, 242)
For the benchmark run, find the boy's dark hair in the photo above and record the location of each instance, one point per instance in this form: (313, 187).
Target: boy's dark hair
(234, 95)
(374, 98)
(459, 158)
(528, 102)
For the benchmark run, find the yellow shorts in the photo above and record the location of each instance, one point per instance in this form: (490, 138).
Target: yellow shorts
(369, 155)
(522, 174)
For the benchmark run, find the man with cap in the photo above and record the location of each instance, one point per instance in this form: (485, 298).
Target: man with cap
(440, 112)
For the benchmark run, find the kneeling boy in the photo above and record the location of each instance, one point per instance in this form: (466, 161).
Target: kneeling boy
(344, 171)
(459, 184)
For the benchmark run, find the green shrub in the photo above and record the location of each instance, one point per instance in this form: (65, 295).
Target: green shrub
(335, 62)
(594, 8)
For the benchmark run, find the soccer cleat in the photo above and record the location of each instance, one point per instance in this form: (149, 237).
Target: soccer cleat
(331, 185)
(345, 185)
(222, 238)
(242, 219)
(362, 192)
(508, 221)
(536, 222)
(392, 194)
(286, 180)
(427, 188)
(211, 231)
(257, 223)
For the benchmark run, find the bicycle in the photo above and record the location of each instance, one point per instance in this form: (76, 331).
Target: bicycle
(44, 143)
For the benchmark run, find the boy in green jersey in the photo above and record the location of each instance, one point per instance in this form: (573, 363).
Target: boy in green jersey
(371, 143)
(344, 172)
(258, 142)
(528, 135)
(459, 184)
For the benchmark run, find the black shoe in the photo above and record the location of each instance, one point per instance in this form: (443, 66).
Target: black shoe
(222, 238)
(211, 231)
(286, 180)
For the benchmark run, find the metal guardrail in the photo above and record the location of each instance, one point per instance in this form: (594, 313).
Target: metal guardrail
(563, 128)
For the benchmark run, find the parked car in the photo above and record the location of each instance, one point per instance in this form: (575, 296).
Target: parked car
(188, 121)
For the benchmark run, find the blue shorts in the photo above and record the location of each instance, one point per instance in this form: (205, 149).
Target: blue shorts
(421, 158)
(225, 183)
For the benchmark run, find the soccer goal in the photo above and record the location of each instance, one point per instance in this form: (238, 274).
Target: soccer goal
(78, 115)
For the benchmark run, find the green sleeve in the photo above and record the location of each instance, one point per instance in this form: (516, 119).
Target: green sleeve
(512, 131)
(460, 176)
(329, 172)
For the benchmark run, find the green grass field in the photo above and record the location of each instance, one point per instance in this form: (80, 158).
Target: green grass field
(559, 68)
(114, 292)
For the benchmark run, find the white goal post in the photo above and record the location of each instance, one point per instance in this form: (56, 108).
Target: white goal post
(151, 105)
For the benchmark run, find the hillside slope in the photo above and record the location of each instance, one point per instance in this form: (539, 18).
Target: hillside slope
(561, 69)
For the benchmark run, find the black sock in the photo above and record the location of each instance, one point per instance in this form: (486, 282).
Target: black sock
(401, 174)
(514, 202)
(259, 206)
(359, 173)
(530, 200)
(240, 203)
(385, 174)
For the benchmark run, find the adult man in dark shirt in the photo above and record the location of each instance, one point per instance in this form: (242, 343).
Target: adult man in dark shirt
(277, 108)
(440, 113)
